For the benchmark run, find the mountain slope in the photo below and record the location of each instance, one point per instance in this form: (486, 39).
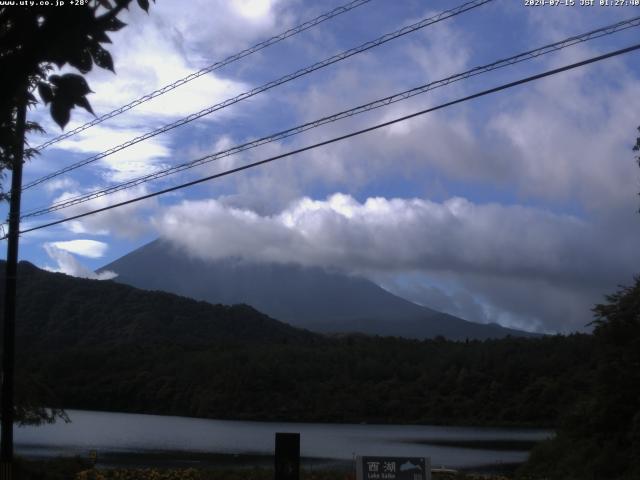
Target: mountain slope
(56, 311)
(304, 297)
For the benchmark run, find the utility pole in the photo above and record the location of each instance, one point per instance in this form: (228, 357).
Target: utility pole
(8, 345)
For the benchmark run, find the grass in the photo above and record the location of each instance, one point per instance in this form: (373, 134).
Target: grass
(81, 469)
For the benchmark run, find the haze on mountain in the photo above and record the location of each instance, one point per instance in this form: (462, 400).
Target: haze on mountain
(305, 297)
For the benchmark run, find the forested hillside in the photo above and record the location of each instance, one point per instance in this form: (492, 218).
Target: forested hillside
(101, 345)
(56, 311)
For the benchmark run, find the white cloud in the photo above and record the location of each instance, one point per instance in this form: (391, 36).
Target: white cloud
(253, 9)
(482, 246)
(151, 53)
(84, 247)
(68, 264)
(78, 227)
(570, 135)
(236, 25)
(139, 159)
(100, 138)
(562, 140)
(64, 183)
(388, 235)
(128, 221)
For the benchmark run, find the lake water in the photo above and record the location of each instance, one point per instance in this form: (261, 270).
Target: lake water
(131, 439)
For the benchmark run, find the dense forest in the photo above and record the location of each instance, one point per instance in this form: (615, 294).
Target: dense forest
(351, 379)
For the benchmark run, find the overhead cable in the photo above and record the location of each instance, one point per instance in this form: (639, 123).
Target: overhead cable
(267, 86)
(208, 69)
(506, 86)
(531, 54)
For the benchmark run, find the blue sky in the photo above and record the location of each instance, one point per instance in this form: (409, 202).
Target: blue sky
(517, 208)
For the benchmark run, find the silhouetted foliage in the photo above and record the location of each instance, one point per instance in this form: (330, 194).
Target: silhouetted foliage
(600, 437)
(34, 38)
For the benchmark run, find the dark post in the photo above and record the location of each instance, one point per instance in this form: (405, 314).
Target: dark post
(287, 465)
(8, 345)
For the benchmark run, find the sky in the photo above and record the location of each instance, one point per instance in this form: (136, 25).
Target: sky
(519, 208)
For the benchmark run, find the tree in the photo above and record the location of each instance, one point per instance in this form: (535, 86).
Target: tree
(34, 39)
(600, 438)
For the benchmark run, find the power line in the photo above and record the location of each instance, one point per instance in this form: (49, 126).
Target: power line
(208, 69)
(531, 54)
(342, 137)
(287, 78)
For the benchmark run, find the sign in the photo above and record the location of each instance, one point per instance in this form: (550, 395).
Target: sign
(287, 464)
(93, 456)
(393, 468)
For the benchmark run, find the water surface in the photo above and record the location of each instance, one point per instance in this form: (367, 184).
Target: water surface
(120, 438)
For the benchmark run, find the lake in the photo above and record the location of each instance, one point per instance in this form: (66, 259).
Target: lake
(146, 440)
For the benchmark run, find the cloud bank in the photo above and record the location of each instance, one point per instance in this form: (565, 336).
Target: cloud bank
(507, 255)
(68, 264)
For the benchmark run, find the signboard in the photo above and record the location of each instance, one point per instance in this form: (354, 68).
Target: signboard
(393, 468)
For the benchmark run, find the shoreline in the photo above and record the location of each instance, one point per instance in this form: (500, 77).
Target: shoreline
(512, 425)
(172, 460)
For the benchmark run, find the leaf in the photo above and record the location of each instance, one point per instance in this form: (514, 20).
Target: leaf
(34, 127)
(144, 5)
(72, 85)
(84, 103)
(60, 112)
(102, 57)
(82, 61)
(55, 79)
(99, 36)
(114, 24)
(31, 152)
(69, 89)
